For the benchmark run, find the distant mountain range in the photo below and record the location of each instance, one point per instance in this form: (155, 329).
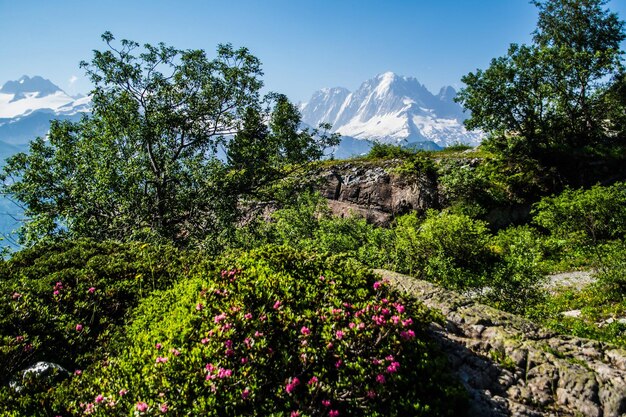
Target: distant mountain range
(391, 109)
(27, 106)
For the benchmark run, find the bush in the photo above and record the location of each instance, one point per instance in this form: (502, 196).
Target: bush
(387, 151)
(62, 302)
(514, 284)
(272, 332)
(450, 249)
(584, 216)
(309, 225)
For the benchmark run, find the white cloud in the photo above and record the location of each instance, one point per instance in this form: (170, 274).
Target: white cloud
(73, 79)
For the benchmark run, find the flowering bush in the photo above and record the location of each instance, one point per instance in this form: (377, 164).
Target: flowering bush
(271, 332)
(62, 302)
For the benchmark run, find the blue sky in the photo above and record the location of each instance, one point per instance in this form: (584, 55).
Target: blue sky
(303, 45)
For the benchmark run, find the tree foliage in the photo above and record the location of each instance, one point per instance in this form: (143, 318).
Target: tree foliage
(150, 158)
(552, 93)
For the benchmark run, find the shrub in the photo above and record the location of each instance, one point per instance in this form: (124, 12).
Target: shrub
(514, 283)
(386, 151)
(584, 216)
(308, 225)
(450, 249)
(62, 301)
(272, 332)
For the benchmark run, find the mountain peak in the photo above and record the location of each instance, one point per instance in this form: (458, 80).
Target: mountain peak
(391, 108)
(39, 85)
(447, 93)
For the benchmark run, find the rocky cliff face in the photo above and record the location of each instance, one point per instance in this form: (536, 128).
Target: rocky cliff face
(376, 192)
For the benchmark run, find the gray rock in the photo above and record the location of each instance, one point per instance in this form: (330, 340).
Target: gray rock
(46, 373)
(512, 367)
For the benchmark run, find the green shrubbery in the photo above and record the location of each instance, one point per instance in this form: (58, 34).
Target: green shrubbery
(62, 302)
(271, 332)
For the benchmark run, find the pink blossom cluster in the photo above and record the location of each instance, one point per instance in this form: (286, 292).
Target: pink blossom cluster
(292, 384)
(57, 288)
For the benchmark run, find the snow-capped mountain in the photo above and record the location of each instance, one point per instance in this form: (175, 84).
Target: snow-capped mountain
(392, 109)
(28, 104)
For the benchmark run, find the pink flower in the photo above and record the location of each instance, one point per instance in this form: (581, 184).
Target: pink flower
(91, 290)
(291, 386)
(371, 395)
(380, 378)
(326, 403)
(305, 331)
(123, 392)
(224, 373)
(99, 398)
(407, 335)
(174, 352)
(158, 346)
(79, 327)
(204, 341)
(16, 296)
(199, 307)
(245, 393)
(400, 308)
(329, 346)
(338, 363)
(322, 278)
(78, 372)
(161, 359)
(333, 413)
(295, 413)
(229, 352)
(219, 318)
(389, 358)
(55, 292)
(407, 322)
(395, 319)
(247, 316)
(209, 367)
(339, 334)
(163, 408)
(244, 361)
(277, 305)
(228, 343)
(393, 367)
(377, 285)
(313, 380)
(351, 325)
(19, 339)
(141, 406)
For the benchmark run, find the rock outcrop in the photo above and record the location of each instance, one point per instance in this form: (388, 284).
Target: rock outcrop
(375, 192)
(510, 366)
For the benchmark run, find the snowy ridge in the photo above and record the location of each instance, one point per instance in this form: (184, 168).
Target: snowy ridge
(392, 109)
(27, 106)
(28, 95)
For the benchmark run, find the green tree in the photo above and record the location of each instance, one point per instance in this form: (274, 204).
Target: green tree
(146, 159)
(550, 94)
